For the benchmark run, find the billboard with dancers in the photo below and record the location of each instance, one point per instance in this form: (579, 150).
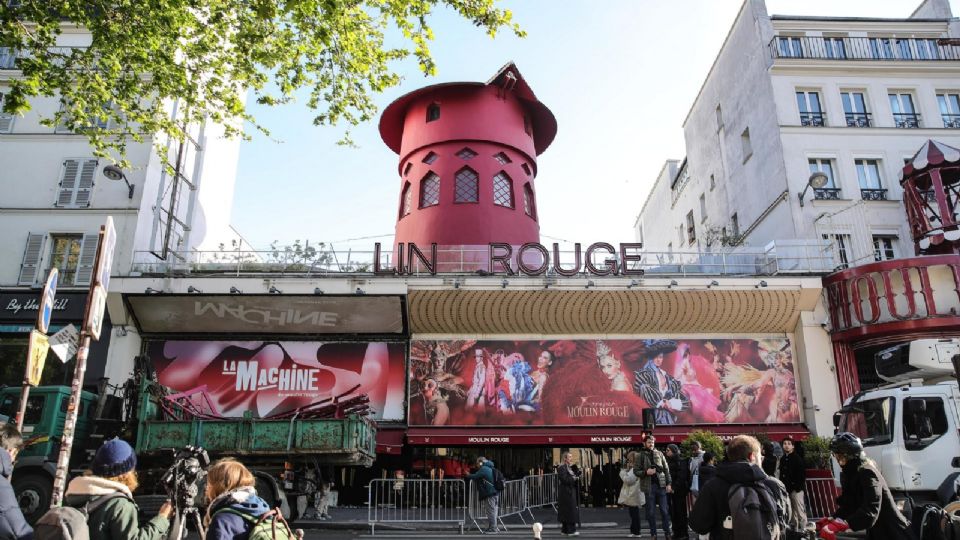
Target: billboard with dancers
(601, 382)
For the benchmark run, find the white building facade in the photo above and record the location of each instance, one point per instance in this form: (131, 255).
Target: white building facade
(55, 197)
(788, 96)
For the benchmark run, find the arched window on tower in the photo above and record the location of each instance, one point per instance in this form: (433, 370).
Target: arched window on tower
(430, 190)
(406, 200)
(433, 112)
(502, 190)
(467, 189)
(528, 205)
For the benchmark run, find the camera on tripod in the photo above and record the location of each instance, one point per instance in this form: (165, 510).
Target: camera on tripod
(181, 481)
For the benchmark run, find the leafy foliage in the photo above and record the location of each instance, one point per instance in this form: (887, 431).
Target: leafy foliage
(816, 452)
(204, 55)
(709, 441)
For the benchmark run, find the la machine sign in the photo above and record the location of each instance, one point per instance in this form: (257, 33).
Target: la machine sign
(530, 259)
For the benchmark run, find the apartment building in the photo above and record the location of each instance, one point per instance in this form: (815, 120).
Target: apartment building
(55, 196)
(788, 96)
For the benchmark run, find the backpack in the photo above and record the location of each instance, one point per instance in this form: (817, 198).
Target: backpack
(499, 482)
(755, 513)
(68, 522)
(269, 526)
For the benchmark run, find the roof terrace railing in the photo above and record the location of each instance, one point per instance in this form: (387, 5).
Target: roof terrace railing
(778, 258)
(864, 48)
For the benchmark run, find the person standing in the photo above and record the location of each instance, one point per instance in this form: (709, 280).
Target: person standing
(568, 507)
(865, 502)
(13, 525)
(713, 506)
(233, 505)
(113, 475)
(793, 474)
(680, 477)
(631, 496)
(487, 491)
(696, 459)
(708, 471)
(655, 485)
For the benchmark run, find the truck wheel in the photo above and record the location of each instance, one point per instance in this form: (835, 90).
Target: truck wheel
(34, 492)
(265, 491)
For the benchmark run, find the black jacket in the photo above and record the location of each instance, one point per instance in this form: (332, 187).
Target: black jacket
(13, 526)
(865, 503)
(679, 475)
(713, 505)
(793, 472)
(707, 473)
(769, 465)
(568, 496)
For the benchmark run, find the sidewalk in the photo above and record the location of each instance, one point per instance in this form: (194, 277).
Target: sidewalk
(356, 519)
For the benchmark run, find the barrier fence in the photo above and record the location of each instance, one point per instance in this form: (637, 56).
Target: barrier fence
(416, 501)
(821, 497)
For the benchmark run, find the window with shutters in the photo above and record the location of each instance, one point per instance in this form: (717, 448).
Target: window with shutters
(528, 204)
(65, 256)
(94, 120)
(76, 183)
(502, 190)
(30, 266)
(430, 190)
(6, 120)
(467, 186)
(73, 255)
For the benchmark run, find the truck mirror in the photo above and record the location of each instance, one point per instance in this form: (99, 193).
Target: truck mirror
(836, 419)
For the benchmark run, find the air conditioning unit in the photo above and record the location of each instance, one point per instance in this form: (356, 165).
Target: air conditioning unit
(920, 359)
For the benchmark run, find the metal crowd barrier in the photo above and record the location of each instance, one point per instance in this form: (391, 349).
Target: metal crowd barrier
(417, 501)
(541, 491)
(821, 497)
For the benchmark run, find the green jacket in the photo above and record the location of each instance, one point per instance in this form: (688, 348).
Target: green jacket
(656, 460)
(117, 519)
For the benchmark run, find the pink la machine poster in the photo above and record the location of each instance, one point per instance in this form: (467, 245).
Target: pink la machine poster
(272, 377)
(601, 382)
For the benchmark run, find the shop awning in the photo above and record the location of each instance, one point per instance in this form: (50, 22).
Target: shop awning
(390, 439)
(585, 435)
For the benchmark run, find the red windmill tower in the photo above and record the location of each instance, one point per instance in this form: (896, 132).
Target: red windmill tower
(468, 159)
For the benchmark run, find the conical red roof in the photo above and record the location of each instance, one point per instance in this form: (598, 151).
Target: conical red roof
(932, 153)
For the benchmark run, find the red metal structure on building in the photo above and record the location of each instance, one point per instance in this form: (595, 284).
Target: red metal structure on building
(468, 158)
(911, 298)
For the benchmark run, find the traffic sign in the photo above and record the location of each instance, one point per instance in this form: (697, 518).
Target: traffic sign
(108, 240)
(46, 301)
(36, 356)
(96, 306)
(64, 343)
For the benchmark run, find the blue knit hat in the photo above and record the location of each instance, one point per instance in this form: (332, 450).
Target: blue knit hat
(114, 458)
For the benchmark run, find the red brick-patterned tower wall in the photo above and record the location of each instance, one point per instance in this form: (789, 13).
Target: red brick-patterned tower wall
(468, 160)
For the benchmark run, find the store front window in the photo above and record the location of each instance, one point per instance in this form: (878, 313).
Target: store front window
(13, 359)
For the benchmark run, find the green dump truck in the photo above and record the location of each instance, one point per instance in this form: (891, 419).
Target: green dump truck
(283, 454)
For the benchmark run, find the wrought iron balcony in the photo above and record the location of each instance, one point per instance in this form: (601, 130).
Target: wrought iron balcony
(859, 119)
(873, 194)
(906, 120)
(826, 194)
(864, 48)
(951, 121)
(813, 119)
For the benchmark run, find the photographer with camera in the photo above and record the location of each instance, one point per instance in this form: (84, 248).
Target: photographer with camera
(105, 494)
(235, 511)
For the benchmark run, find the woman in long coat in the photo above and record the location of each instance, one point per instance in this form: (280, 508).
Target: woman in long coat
(568, 507)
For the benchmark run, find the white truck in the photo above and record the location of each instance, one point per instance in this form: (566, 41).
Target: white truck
(911, 427)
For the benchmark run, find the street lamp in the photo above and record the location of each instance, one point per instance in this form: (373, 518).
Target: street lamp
(112, 172)
(816, 181)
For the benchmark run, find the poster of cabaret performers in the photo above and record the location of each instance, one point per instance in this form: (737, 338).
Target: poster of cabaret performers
(272, 377)
(601, 382)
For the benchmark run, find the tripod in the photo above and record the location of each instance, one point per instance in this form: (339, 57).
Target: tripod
(178, 528)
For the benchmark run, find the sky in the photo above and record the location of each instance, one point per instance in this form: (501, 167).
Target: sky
(619, 75)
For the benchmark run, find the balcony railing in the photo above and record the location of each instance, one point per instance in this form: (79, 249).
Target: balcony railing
(858, 119)
(826, 194)
(906, 120)
(951, 121)
(811, 119)
(873, 194)
(790, 257)
(863, 48)
(58, 55)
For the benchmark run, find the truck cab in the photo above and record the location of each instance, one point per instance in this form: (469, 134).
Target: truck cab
(42, 428)
(911, 427)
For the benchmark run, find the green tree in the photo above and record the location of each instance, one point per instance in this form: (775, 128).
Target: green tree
(205, 54)
(709, 442)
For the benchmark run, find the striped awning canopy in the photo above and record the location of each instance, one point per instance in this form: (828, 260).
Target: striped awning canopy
(932, 153)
